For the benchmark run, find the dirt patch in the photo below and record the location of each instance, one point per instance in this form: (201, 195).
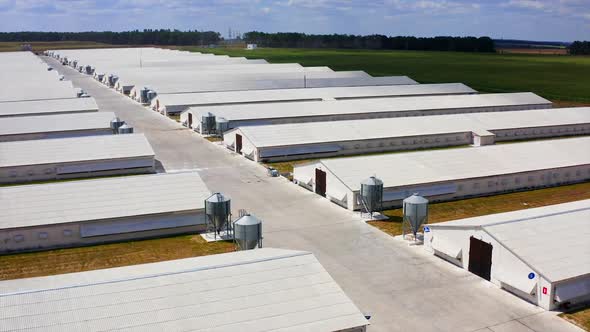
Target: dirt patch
(561, 104)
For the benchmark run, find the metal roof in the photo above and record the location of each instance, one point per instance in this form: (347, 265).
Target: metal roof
(162, 81)
(551, 239)
(404, 169)
(230, 67)
(74, 149)
(336, 131)
(255, 290)
(277, 95)
(55, 123)
(192, 83)
(25, 77)
(48, 107)
(97, 199)
(376, 105)
(111, 61)
(11, 91)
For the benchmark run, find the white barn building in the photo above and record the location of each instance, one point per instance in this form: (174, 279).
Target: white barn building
(55, 126)
(541, 255)
(375, 108)
(26, 77)
(255, 290)
(77, 157)
(87, 212)
(293, 81)
(353, 137)
(451, 174)
(48, 107)
(177, 103)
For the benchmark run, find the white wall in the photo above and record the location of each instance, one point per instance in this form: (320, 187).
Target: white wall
(45, 172)
(334, 187)
(507, 272)
(68, 235)
(502, 184)
(540, 132)
(360, 147)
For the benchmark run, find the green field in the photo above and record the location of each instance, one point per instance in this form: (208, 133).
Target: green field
(556, 77)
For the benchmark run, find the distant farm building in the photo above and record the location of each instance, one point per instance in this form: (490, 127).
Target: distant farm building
(176, 103)
(354, 137)
(374, 108)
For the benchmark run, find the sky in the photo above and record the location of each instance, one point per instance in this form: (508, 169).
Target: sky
(547, 20)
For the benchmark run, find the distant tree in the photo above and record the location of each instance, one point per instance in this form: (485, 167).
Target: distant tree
(580, 48)
(377, 42)
(136, 37)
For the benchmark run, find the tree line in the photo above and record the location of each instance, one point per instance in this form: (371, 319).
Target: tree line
(580, 48)
(136, 37)
(374, 42)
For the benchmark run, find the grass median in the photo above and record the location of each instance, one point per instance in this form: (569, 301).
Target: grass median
(59, 261)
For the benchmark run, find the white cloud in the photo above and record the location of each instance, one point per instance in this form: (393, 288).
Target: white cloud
(529, 4)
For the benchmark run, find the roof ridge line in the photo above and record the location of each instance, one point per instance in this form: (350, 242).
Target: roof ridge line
(157, 275)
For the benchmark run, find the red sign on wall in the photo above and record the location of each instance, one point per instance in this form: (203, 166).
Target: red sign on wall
(545, 290)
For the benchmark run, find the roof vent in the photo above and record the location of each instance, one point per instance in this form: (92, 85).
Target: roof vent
(116, 123)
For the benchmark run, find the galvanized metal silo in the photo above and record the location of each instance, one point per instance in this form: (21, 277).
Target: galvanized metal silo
(371, 194)
(218, 212)
(221, 126)
(208, 123)
(415, 210)
(116, 123)
(248, 232)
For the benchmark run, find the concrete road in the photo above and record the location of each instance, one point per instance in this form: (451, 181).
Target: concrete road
(403, 288)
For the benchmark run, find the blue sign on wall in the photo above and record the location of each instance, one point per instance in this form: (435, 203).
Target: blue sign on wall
(531, 275)
(426, 229)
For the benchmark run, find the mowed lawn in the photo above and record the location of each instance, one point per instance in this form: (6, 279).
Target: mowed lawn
(580, 317)
(556, 77)
(70, 260)
(474, 207)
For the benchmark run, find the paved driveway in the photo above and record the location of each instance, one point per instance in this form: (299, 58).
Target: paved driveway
(402, 287)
